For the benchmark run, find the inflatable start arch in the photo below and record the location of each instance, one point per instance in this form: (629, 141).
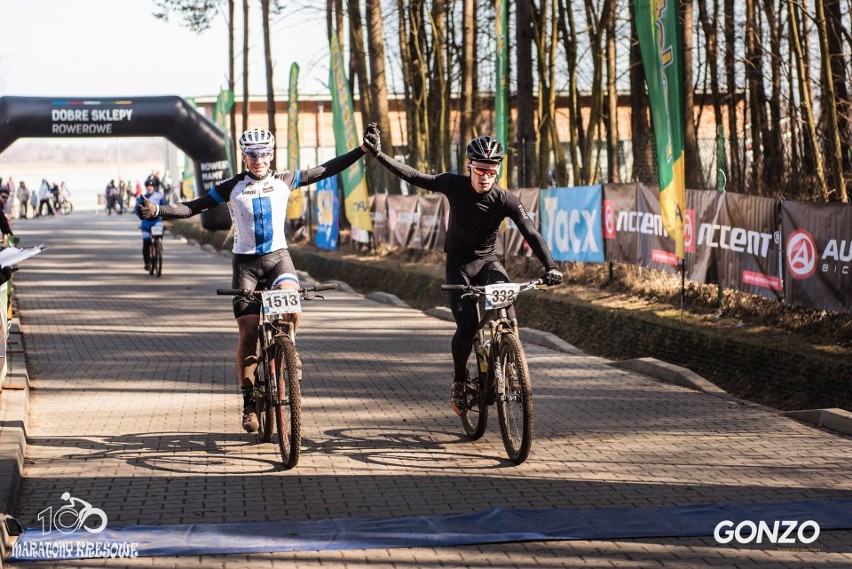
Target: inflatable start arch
(169, 116)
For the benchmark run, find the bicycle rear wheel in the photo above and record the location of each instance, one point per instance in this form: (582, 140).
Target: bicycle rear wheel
(475, 414)
(66, 207)
(288, 402)
(263, 403)
(514, 403)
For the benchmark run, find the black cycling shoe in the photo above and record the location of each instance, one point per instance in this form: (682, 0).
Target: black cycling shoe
(458, 402)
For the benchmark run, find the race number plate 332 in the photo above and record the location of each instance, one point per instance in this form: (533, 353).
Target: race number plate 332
(281, 301)
(500, 295)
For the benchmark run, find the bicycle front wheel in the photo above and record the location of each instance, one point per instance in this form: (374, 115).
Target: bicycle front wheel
(66, 208)
(514, 403)
(475, 414)
(288, 402)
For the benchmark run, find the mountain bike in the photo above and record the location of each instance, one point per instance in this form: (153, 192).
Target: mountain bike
(497, 369)
(277, 390)
(156, 249)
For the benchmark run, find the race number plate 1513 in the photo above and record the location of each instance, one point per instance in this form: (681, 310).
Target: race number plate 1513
(281, 301)
(500, 295)
(157, 230)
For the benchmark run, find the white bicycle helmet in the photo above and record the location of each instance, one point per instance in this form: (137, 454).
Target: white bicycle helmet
(257, 139)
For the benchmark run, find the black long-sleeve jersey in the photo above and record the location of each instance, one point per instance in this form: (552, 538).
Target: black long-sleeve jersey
(474, 218)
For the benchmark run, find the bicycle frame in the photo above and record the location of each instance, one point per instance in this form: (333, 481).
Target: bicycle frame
(279, 374)
(509, 388)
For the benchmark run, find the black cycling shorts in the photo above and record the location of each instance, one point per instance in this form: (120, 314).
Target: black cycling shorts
(259, 272)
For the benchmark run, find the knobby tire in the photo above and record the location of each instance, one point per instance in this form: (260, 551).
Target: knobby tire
(514, 406)
(288, 406)
(474, 417)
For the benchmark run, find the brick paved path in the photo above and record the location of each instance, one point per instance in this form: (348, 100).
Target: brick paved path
(135, 409)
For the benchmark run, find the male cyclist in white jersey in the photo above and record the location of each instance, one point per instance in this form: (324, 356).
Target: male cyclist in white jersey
(257, 200)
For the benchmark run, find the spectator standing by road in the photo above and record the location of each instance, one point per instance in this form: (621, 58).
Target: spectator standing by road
(44, 196)
(5, 228)
(24, 198)
(111, 194)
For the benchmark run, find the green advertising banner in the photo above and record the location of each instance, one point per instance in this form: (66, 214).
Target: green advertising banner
(501, 91)
(355, 197)
(294, 206)
(224, 102)
(657, 27)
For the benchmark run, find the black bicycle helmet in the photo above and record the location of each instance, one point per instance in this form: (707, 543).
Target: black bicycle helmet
(485, 149)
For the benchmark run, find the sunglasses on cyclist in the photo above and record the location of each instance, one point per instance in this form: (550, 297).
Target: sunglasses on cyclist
(259, 155)
(483, 171)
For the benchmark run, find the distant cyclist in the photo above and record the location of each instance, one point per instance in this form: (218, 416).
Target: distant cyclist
(154, 197)
(257, 201)
(477, 208)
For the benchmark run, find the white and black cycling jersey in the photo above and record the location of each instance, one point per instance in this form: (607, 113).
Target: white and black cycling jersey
(258, 210)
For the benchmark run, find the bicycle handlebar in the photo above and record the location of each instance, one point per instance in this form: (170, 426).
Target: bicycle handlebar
(247, 292)
(481, 288)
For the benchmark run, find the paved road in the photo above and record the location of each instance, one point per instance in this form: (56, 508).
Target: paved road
(134, 408)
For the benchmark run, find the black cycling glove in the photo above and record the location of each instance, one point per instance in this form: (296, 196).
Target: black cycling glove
(373, 139)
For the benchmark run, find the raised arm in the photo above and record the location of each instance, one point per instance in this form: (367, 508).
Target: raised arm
(373, 143)
(336, 165)
(148, 210)
(518, 214)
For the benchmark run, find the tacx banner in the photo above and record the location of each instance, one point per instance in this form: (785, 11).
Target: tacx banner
(379, 213)
(734, 240)
(168, 116)
(328, 226)
(571, 223)
(402, 222)
(431, 225)
(510, 239)
(818, 255)
(633, 228)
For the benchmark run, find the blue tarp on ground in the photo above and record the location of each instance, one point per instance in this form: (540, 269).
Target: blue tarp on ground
(497, 525)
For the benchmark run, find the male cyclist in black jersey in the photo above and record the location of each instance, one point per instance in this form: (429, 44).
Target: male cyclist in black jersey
(477, 208)
(257, 201)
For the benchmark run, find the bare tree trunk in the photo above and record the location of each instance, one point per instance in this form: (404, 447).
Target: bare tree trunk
(245, 64)
(694, 171)
(640, 123)
(358, 58)
(575, 123)
(437, 97)
(736, 168)
(829, 101)
(612, 163)
(379, 87)
(466, 120)
(596, 28)
(232, 114)
(525, 131)
(270, 89)
(805, 96)
(774, 157)
(839, 66)
(560, 167)
(711, 40)
(757, 97)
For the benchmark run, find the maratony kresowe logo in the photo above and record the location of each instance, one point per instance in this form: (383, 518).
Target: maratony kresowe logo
(75, 517)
